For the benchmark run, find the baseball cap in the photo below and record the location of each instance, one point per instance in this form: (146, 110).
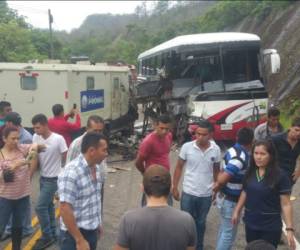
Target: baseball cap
(155, 174)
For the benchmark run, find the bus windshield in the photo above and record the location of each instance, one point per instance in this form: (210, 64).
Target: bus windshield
(212, 70)
(218, 73)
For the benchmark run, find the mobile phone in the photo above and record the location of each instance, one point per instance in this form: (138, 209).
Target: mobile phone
(74, 106)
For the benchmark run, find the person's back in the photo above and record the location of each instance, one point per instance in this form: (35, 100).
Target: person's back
(157, 228)
(60, 125)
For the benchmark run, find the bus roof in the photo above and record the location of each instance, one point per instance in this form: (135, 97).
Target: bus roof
(197, 39)
(62, 67)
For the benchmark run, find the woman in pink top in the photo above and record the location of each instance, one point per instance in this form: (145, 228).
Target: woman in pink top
(14, 182)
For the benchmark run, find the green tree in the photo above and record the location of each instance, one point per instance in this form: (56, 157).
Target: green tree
(15, 43)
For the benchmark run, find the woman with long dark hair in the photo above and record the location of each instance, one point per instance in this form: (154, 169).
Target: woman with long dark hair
(14, 182)
(265, 195)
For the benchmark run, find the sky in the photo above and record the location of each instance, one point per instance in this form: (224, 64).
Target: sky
(68, 15)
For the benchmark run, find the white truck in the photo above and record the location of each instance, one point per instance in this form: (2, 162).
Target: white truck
(100, 89)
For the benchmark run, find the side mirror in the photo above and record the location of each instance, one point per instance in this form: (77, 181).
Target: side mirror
(272, 60)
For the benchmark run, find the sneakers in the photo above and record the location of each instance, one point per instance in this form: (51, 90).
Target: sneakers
(26, 235)
(4, 237)
(43, 243)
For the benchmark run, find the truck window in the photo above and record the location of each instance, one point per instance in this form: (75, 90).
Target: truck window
(90, 83)
(28, 83)
(116, 83)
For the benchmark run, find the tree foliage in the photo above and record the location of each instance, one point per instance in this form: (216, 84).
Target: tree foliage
(106, 37)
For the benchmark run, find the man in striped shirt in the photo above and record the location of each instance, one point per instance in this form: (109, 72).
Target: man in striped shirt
(229, 181)
(79, 189)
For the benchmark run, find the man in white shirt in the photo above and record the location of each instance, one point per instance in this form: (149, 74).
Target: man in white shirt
(201, 159)
(50, 162)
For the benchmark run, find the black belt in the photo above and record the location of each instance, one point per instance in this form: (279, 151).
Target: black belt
(49, 178)
(88, 230)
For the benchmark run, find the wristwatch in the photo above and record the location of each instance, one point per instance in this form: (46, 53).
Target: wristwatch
(289, 229)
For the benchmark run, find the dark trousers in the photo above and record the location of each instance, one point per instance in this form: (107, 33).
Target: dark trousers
(272, 237)
(16, 209)
(67, 241)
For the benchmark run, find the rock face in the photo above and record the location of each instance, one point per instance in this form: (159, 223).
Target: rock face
(280, 29)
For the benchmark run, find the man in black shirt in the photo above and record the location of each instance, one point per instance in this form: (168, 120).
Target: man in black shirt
(288, 149)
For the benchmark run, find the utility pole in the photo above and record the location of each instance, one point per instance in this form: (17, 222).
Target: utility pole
(51, 36)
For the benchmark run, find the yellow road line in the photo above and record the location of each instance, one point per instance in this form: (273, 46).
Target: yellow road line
(34, 221)
(36, 236)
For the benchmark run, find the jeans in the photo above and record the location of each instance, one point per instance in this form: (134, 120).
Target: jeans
(272, 237)
(14, 208)
(26, 224)
(144, 200)
(198, 208)
(227, 231)
(67, 242)
(45, 209)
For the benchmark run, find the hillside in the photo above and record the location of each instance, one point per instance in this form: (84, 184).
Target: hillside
(111, 38)
(276, 22)
(280, 29)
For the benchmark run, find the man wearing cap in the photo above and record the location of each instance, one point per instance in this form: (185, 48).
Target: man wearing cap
(14, 119)
(156, 226)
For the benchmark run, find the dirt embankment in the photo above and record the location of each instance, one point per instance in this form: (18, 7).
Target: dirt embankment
(280, 29)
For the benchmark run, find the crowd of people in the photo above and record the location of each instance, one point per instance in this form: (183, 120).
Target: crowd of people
(256, 175)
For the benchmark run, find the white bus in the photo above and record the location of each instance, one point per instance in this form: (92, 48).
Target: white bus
(217, 76)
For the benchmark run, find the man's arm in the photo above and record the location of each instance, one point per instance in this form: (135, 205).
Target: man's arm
(222, 179)
(216, 170)
(176, 178)
(139, 163)
(238, 208)
(33, 164)
(74, 126)
(68, 218)
(296, 173)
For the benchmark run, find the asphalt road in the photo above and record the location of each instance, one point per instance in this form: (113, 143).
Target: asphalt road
(122, 192)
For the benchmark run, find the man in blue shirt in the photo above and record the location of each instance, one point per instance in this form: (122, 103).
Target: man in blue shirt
(229, 181)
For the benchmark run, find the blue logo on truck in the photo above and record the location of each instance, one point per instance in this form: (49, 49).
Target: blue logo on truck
(91, 100)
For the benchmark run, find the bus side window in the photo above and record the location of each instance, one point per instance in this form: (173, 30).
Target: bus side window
(28, 83)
